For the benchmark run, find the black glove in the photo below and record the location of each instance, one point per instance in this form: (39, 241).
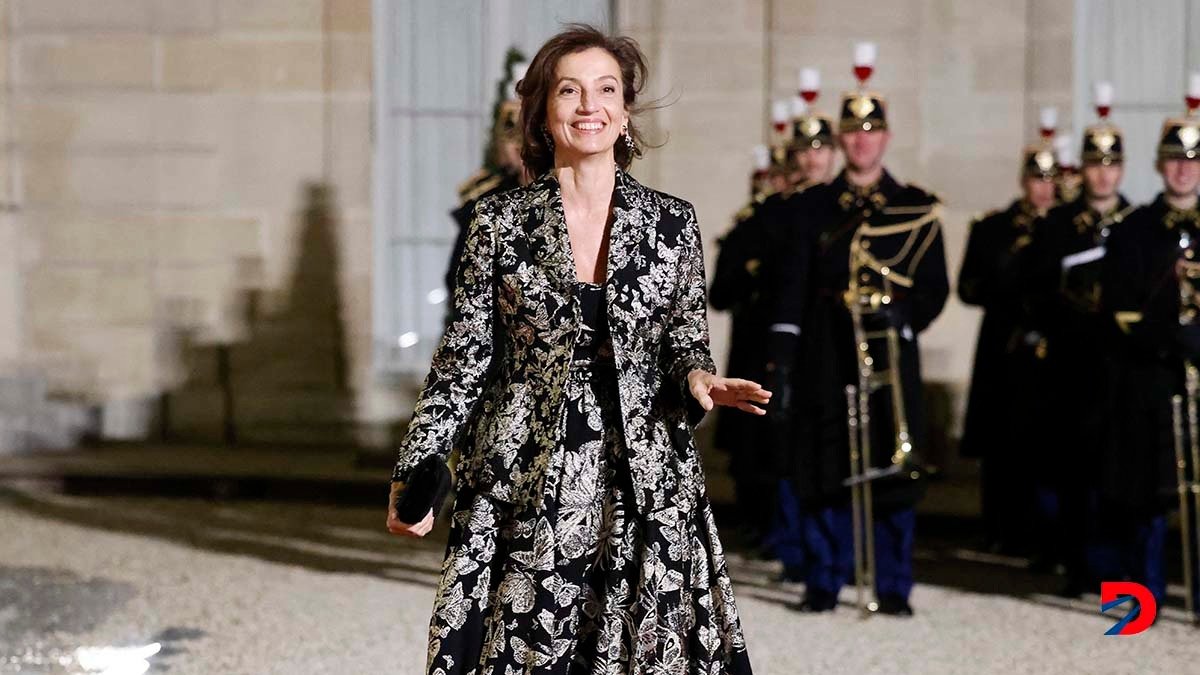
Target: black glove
(779, 383)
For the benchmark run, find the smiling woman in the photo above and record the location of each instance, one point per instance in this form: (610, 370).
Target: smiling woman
(555, 88)
(571, 375)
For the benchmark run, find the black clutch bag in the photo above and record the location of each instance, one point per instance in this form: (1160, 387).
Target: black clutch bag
(426, 488)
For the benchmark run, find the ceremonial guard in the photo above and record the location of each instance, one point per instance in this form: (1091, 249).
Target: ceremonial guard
(1068, 249)
(782, 174)
(813, 153)
(744, 284)
(502, 168)
(865, 275)
(812, 145)
(1149, 460)
(1003, 408)
(737, 287)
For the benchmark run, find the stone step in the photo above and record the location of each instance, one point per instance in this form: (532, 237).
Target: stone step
(30, 420)
(264, 415)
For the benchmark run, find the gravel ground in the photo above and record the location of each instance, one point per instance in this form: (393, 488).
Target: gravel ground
(291, 588)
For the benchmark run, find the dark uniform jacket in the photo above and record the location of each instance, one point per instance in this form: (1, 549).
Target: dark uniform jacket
(1148, 348)
(737, 288)
(745, 283)
(1005, 378)
(497, 376)
(1068, 252)
(897, 226)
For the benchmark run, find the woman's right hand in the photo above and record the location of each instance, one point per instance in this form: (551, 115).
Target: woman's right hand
(395, 526)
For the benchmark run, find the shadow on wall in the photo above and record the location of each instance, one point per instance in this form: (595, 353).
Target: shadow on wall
(44, 402)
(280, 377)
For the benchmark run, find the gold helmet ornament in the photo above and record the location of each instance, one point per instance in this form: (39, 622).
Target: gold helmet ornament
(863, 110)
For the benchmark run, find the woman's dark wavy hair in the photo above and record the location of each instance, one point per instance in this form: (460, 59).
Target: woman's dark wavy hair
(537, 154)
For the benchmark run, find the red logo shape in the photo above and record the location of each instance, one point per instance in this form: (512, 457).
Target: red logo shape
(1140, 617)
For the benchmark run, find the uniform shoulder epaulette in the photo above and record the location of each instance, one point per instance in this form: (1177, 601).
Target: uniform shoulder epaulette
(483, 187)
(795, 190)
(775, 198)
(469, 184)
(806, 186)
(919, 194)
(985, 215)
(915, 202)
(1124, 213)
(745, 212)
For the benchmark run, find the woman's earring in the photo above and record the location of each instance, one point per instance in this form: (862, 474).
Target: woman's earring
(549, 139)
(628, 140)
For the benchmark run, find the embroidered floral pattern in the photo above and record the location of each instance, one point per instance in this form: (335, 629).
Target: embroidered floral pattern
(582, 540)
(496, 382)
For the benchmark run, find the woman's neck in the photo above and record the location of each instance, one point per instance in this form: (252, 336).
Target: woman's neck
(588, 183)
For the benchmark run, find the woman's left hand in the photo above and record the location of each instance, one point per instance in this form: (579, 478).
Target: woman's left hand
(712, 390)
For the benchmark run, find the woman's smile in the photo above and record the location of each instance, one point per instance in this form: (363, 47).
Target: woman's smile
(589, 126)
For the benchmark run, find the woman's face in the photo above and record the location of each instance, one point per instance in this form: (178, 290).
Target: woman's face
(586, 108)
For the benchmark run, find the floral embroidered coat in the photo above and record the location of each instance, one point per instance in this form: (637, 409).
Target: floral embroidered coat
(495, 385)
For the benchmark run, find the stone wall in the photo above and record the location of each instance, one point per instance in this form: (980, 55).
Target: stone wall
(158, 155)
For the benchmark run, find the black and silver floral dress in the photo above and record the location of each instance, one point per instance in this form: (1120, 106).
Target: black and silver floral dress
(569, 585)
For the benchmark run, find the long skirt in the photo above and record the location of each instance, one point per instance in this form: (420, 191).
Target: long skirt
(582, 583)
